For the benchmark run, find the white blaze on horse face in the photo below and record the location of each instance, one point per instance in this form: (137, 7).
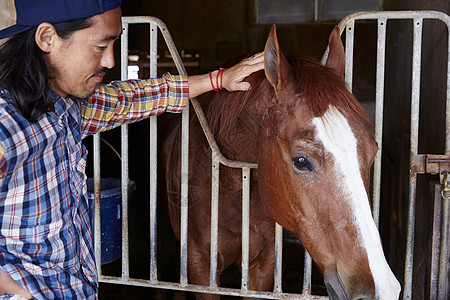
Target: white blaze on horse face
(338, 138)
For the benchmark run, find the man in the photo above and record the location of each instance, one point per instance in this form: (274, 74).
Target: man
(51, 98)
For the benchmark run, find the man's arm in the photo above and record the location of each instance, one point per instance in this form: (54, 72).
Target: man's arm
(123, 102)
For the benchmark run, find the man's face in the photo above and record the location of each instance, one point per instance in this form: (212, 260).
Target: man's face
(77, 65)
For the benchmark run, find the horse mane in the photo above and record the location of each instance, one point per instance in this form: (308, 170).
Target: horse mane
(316, 84)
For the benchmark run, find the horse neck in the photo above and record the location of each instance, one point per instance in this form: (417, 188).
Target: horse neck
(236, 119)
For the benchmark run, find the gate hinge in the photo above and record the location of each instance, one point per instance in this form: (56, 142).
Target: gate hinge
(430, 164)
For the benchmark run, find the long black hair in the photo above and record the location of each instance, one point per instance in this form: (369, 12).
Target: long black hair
(23, 72)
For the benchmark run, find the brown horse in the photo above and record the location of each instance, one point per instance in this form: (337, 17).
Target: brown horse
(314, 149)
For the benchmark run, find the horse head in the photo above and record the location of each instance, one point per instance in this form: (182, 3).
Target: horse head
(316, 151)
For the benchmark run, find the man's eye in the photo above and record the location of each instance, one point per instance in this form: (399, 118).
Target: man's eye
(102, 47)
(302, 163)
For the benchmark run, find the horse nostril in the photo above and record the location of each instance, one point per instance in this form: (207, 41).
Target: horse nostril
(336, 290)
(331, 292)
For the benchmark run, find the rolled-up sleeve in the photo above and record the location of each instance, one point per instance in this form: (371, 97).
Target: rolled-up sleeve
(123, 102)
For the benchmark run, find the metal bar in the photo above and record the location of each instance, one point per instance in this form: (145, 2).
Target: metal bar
(170, 45)
(406, 14)
(307, 274)
(124, 164)
(349, 41)
(153, 201)
(278, 258)
(443, 261)
(125, 232)
(212, 142)
(153, 162)
(184, 196)
(209, 290)
(407, 290)
(245, 228)
(124, 50)
(379, 104)
(435, 244)
(97, 226)
(214, 220)
(414, 141)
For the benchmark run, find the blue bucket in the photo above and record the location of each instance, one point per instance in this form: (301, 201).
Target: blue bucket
(110, 215)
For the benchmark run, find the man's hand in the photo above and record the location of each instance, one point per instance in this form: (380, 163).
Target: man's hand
(234, 76)
(232, 79)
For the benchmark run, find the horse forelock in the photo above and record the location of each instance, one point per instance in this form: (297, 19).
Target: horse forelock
(321, 87)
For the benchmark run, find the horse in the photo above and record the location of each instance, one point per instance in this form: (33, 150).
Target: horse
(314, 147)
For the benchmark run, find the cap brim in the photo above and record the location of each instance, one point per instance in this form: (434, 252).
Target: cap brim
(13, 30)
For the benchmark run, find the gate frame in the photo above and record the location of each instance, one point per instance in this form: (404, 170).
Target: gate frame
(419, 164)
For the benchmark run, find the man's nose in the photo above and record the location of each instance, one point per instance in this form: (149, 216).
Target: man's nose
(108, 58)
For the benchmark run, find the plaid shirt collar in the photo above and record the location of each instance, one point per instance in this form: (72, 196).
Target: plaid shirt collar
(61, 105)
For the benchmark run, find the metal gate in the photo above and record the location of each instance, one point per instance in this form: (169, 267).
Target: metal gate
(419, 163)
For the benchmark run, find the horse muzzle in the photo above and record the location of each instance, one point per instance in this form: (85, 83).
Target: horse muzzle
(337, 290)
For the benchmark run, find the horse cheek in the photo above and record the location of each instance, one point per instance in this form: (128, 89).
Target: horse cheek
(271, 184)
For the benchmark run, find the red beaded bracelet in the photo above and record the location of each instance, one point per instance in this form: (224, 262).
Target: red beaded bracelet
(218, 86)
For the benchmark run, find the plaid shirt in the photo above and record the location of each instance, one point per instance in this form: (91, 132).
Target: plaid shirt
(46, 218)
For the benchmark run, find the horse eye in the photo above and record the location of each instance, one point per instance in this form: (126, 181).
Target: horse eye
(302, 163)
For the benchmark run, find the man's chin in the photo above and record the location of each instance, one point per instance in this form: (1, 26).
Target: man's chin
(86, 93)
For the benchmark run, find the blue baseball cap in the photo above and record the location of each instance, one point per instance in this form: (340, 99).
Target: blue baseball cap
(31, 13)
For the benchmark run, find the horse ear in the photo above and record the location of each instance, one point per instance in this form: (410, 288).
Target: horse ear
(336, 56)
(276, 67)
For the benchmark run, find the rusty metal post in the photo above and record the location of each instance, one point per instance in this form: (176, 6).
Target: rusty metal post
(436, 241)
(379, 112)
(444, 257)
(245, 229)
(97, 226)
(124, 166)
(278, 258)
(153, 162)
(214, 220)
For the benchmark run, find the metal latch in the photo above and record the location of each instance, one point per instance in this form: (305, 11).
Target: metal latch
(430, 164)
(436, 164)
